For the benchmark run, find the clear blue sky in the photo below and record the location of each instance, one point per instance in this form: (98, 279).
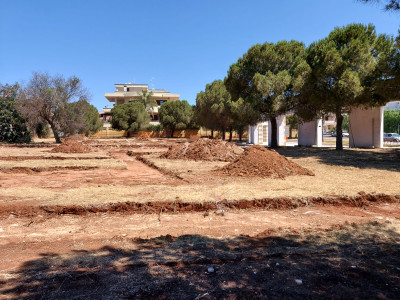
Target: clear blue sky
(179, 45)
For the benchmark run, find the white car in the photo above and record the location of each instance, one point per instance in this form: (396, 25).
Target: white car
(391, 137)
(344, 134)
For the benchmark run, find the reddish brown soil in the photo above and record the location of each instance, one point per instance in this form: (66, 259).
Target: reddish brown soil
(136, 173)
(204, 149)
(244, 249)
(22, 158)
(180, 206)
(261, 162)
(153, 166)
(32, 170)
(240, 255)
(72, 146)
(143, 138)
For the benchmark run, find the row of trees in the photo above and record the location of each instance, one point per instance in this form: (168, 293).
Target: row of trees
(392, 121)
(46, 101)
(134, 116)
(216, 110)
(351, 67)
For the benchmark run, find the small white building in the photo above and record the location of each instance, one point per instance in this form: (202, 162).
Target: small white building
(365, 128)
(310, 133)
(261, 133)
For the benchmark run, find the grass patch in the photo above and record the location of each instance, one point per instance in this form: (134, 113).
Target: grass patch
(46, 164)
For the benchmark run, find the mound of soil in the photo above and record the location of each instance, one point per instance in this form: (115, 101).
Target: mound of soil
(204, 149)
(257, 161)
(72, 146)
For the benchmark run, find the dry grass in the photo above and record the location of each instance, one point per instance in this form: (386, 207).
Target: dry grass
(44, 164)
(181, 167)
(45, 152)
(337, 173)
(148, 150)
(329, 180)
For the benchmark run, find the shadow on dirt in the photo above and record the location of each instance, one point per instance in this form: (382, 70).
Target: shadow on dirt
(382, 159)
(357, 261)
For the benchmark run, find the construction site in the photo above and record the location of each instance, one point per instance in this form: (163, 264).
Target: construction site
(158, 218)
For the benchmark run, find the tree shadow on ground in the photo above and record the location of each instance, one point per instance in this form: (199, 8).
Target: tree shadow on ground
(382, 159)
(353, 261)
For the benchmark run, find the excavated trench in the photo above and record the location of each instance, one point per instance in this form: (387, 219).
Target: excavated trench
(219, 207)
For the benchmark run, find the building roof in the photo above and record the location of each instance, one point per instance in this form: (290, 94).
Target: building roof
(132, 84)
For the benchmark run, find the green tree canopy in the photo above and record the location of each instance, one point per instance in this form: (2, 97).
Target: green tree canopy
(390, 5)
(293, 122)
(214, 107)
(392, 121)
(46, 98)
(176, 115)
(13, 127)
(83, 118)
(350, 68)
(148, 102)
(243, 115)
(268, 77)
(131, 117)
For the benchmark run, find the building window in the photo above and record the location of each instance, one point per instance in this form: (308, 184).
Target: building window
(159, 102)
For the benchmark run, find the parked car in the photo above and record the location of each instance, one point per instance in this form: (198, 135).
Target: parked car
(391, 137)
(344, 134)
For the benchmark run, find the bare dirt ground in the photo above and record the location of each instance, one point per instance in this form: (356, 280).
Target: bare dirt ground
(120, 222)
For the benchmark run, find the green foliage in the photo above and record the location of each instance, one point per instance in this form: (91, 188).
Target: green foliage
(243, 115)
(269, 77)
(131, 117)
(350, 68)
(42, 130)
(93, 122)
(12, 125)
(214, 107)
(154, 127)
(292, 121)
(46, 99)
(390, 5)
(176, 115)
(148, 102)
(345, 123)
(392, 121)
(81, 117)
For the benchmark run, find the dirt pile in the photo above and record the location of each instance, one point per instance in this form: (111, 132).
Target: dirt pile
(204, 149)
(257, 161)
(72, 146)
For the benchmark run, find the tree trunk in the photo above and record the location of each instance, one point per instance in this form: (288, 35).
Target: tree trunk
(230, 134)
(223, 134)
(212, 134)
(240, 136)
(55, 133)
(274, 133)
(290, 132)
(172, 133)
(339, 130)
